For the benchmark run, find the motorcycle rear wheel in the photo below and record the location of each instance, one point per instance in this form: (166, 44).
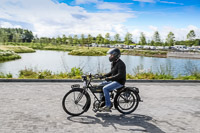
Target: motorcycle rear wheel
(126, 101)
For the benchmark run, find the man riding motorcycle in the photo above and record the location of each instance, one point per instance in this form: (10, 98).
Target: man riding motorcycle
(115, 79)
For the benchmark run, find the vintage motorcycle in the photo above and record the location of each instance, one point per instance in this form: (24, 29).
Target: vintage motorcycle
(77, 100)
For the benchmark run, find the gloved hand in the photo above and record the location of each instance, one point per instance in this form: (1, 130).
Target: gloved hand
(108, 79)
(101, 76)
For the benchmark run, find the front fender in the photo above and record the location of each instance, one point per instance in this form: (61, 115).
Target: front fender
(75, 86)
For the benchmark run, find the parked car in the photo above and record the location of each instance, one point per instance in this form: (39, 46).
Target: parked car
(146, 47)
(139, 46)
(160, 47)
(152, 47)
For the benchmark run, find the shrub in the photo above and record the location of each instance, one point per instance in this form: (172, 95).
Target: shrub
(75, 72)
(2, 75)
(28, 73)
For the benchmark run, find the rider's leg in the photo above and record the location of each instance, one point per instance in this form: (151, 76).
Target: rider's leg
(109, 87)
(101, 96)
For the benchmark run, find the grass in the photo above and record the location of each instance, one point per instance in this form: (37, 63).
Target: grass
(6, 55)
(8, 52)
(163, 72)
(81, 52)
(92, 51)
(84, 51)
(148, 53)
(75, 73)
(60, 47)
(5, 76)
(17, 49)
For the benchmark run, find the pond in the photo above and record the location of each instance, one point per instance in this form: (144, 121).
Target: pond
(59, 61)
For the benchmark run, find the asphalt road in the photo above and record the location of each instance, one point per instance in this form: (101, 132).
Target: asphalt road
(36, 108)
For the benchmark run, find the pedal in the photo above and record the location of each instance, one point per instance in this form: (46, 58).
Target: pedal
(94, 110)
(107, 111)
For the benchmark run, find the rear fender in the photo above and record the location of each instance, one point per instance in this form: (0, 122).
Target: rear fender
(136, 90)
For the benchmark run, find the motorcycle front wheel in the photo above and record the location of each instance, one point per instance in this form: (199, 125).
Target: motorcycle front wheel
(76, 102)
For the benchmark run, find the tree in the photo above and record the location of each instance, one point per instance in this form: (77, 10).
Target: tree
(128, 38)
(89, 39)
(35, 39)
(17, 37)
(99, 39)
(156, 38)
(70, 39)
(191, 35)
(59, 40)
(107, 38)
(142, 39)
(53, 41)
(75, 39)
(27, 36)
(170, 39)
(117, 38)
(64, 39)
(82, 40)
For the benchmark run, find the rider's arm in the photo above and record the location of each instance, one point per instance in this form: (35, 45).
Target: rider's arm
(108, 74)
(121, 71)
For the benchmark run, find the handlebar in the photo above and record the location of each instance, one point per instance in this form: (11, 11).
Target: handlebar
(96, 76)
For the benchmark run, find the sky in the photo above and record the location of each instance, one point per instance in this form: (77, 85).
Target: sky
(53, 18)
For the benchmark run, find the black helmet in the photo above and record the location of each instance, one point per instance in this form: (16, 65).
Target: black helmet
(116, 54)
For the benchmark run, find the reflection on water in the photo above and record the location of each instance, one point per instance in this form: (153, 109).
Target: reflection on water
(58, 61)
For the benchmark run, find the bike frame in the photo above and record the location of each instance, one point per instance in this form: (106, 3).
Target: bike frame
(87, 85)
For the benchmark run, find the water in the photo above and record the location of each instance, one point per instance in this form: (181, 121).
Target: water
(58, 61)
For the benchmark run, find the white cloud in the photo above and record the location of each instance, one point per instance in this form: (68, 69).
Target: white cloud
(167, 2)
(8, 25)
(154, 28)
(100, 4)
(154, 1)
(180, 33)
(51, 19)
(113, 6)
(85, 1)
(148, 1)
(48, 18)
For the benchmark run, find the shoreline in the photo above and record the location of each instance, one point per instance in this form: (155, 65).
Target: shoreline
(189, 55)
(80, 80)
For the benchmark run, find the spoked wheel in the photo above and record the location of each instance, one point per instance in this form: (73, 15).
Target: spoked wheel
(126, 101)
(76, 102)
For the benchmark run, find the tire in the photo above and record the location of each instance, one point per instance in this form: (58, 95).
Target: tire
(126, 101)
(76, 102)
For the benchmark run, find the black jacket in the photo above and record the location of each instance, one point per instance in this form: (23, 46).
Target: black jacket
(118, 72)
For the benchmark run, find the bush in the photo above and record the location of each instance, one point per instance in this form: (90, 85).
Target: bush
(2, 75)
(87, 52)
(28, 74)
(18, 49)
(75, 73)
(8, 55)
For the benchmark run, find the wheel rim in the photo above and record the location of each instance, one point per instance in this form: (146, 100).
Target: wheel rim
(75, 102)
(127, 101)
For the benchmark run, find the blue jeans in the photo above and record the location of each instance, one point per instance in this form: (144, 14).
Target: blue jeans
(109, 86)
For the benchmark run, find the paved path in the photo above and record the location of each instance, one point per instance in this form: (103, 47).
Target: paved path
(36, 108)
